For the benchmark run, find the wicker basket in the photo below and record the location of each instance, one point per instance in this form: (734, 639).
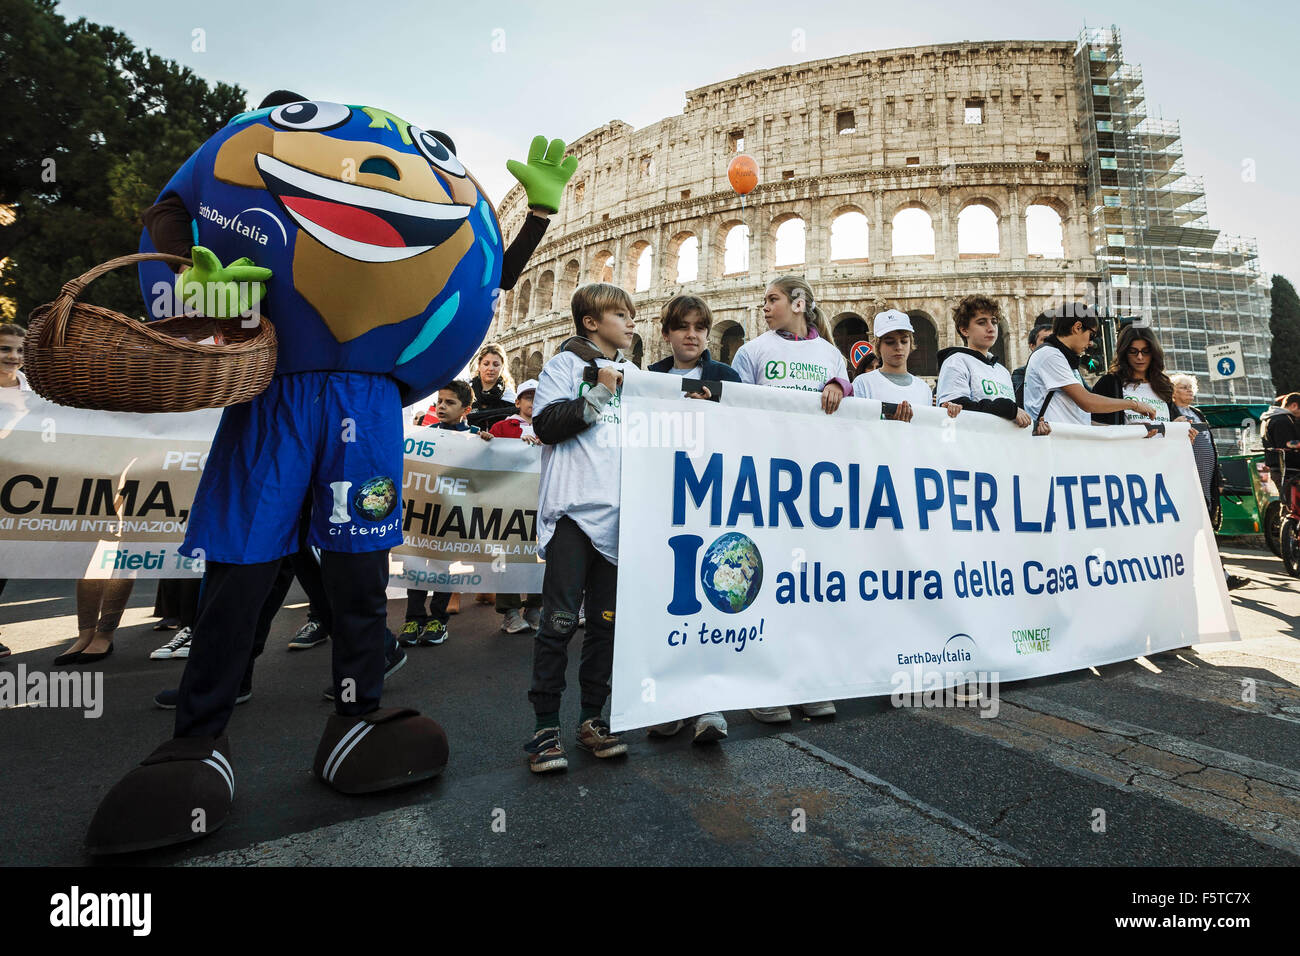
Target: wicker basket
(90, 357)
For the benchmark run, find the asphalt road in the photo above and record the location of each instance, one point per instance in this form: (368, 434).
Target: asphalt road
(1185, 771)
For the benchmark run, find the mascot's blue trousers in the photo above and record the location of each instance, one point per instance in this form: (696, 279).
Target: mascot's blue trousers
(334, 438)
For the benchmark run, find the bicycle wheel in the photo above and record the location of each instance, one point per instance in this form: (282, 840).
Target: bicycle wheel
(1273, 527)
(1290, 540)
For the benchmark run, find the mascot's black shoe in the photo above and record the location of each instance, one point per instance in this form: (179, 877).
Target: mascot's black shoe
(181, 791)
(386, 748)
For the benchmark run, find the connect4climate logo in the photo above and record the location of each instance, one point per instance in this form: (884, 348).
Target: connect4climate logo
(774, 369)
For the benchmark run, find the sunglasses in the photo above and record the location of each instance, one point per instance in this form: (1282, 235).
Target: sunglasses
(1138, 352)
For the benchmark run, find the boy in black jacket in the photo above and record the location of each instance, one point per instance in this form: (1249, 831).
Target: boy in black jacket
(685, 326)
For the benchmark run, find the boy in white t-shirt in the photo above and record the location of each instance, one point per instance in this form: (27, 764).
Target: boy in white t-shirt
(577, 414)
(969, 374)
(1054, 389)
(892, 382)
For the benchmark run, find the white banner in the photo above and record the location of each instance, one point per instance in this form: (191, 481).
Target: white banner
(107, 494)
(771, 554)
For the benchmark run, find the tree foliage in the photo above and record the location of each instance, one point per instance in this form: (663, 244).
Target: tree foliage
(91, 129)
(1284, 323)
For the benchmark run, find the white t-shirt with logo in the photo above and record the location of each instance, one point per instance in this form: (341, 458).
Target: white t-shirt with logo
(580, 475)
(1048, 369)
(875, 385)
(806, 364)
(1143, 392)
(965, 376)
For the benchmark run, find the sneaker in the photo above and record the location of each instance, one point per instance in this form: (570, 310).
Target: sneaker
(666, 730)
(514, 623)
(770, 715)
(394, 661)
(594, 735)
(309, 635)
(177, 648)
(533, 615)
(435, 632)
(545, 752)
(394, 658)
(4, 651)
(1237, 581)
(820, 708)
(710, 727)
(168, 624)
(166, 699)
(409, 634)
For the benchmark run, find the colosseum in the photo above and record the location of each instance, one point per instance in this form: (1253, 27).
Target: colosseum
(1026, 170)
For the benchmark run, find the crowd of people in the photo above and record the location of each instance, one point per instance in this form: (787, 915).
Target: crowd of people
(577, 395)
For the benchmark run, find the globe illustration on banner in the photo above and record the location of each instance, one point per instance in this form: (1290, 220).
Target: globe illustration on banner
(732, 572)
(376, 498)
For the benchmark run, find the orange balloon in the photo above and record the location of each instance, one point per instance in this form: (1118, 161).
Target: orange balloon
(743, 174)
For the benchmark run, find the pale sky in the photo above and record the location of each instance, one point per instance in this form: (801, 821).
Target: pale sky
(565, 68)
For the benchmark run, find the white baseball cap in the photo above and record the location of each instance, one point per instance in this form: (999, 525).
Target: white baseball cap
(528, 386)
(891, 320)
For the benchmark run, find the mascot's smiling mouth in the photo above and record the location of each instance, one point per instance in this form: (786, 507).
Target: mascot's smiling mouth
(369, 225)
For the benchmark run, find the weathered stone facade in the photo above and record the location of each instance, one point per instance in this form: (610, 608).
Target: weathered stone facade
(872, 133)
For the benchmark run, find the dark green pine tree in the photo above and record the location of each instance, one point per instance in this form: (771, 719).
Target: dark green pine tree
(91, 129)
(1285, 326)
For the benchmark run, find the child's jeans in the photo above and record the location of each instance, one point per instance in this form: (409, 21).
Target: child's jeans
(573, 568)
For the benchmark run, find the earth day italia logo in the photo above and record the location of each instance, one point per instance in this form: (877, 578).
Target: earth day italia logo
(731, 572)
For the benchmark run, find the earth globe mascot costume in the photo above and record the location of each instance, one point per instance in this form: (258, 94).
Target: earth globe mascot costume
(377, 257)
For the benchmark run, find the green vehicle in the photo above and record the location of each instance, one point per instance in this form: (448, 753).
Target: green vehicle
(1246, 505)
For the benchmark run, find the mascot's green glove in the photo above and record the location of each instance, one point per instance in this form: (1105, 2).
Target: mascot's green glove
(545, 174)
(220, 292)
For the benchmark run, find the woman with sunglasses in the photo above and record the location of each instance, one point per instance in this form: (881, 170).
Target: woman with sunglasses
(1137, 373)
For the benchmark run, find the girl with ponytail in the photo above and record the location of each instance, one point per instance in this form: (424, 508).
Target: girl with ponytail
(796, 351)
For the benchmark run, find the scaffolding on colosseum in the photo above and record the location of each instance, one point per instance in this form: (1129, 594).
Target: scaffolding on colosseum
(1158, 256)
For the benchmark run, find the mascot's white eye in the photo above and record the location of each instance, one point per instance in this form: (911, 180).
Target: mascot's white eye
(310, 116)
(436, 152)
